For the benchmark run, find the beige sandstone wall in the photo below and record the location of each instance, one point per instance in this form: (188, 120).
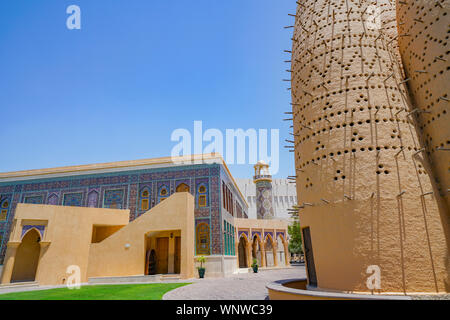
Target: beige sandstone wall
(364, 188)
(66, 239)
(424, 29)
(112, 257)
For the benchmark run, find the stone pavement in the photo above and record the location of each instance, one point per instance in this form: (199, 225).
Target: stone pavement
(251, 286)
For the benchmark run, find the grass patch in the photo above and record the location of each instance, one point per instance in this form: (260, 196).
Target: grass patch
(153, 291)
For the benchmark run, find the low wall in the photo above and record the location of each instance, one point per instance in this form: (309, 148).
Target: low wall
(297, 289)
(218, 266)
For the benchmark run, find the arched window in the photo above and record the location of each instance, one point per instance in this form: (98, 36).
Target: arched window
(163, 193)
(93, 199)
(4, 210)
(53, 199)
(202, 236)
(182, 187)
(145, 200)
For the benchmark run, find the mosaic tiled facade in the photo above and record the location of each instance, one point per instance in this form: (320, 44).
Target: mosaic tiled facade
(137, 190)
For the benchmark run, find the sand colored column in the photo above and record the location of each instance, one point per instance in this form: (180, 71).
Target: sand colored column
(9, 261)
(262, 246)
(275, 252)
(286, 253)
(363, 181)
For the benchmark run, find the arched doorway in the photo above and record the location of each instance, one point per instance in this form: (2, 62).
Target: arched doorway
(151, 262)
(182, 187)
(242, 250)
(281, 255)
(270, 262)
(27, 257)
(256, 250)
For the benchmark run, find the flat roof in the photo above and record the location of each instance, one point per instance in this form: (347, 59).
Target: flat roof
(118, 166)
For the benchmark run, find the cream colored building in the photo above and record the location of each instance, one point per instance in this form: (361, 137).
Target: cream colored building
(133, 218)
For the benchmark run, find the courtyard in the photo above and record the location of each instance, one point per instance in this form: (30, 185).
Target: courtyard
(244, 286)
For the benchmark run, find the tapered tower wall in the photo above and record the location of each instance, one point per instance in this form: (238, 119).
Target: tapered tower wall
(363, 184)
(424, 29)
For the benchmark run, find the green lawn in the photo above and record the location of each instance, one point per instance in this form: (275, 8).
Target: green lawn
(153, 291)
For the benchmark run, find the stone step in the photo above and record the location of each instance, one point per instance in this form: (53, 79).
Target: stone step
(243, 270)
(170, 277)
(127, 279)
(18, 286)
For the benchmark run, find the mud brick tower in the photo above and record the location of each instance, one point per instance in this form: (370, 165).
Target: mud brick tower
(366, 192)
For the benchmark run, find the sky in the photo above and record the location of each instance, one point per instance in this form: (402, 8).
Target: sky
(136, 71)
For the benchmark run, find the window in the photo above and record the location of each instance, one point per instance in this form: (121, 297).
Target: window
(144, 205)
(202, 200)
(53, 200)
(228, 202)
(145, 200)
(224, 194)
(202, 196)
(93, 199)
(163, 193)
(202, 237)
(238, 210)
(4, 210)
(228, 239)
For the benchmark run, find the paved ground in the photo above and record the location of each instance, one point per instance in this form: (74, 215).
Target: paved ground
(251, 286)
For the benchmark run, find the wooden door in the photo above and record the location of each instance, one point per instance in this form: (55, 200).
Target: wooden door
(162, 255)
(310, 266)
(177, 260)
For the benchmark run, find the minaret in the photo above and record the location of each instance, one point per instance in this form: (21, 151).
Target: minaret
(264, 198)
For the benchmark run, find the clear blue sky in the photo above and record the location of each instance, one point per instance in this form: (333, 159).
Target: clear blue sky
(136, 71)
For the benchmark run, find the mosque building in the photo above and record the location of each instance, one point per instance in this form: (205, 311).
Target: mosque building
(131, 218)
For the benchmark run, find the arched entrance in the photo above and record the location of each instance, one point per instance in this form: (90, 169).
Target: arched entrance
(27, 257)
(270, 262)
(242, 249)
(182, 187)
(281, 255)
(256, 250)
